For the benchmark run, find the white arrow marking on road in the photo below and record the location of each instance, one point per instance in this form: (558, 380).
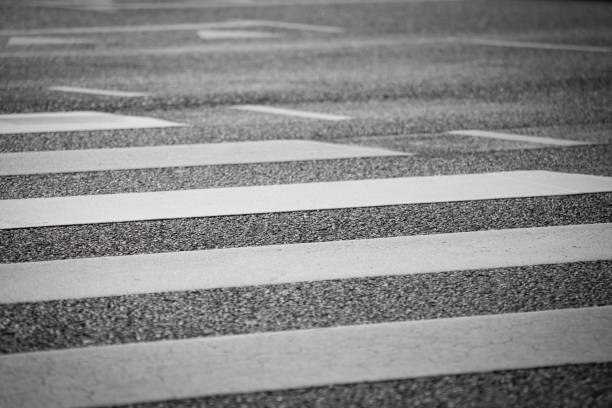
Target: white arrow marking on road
(75, 121)
(534, 45)
(290, 112)
(234, 34)
(278, 264)
(105, 208)
(518, 138)
(175, 369)
(94, 91)
(25, 41)
(66, 161)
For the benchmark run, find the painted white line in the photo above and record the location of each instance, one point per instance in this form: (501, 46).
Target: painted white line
(107, 6)
(75, 121)
(93, 209)
(25, 41)
(94, 91)
(517, 138)
(287, 26)
(535, 45)
(191, 4)
(111, 6)
(278, 264)
(290, 112)
(66, 161)
(234, 34)
(172, 27)
(123, 29)
(251, 48)
(175, 369)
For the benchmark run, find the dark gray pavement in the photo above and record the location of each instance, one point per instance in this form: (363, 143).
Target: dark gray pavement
(406, 72)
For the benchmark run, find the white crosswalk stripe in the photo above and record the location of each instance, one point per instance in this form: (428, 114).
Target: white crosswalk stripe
(302, 358)
(517, 138)
(75, 121)
(66, 161)
(103, 208)
(277, 264)
(265, 361)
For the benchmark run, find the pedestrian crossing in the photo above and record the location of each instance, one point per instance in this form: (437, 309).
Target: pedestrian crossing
(68, 161)
(108, 375)
(296, 358)
(278, 264)
(211, 202)
(18, 123)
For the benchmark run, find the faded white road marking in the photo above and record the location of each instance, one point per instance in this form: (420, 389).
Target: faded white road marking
(123, 29)
(175, 369)
(251, 48)
(20, 41)
(111, 6)
(234, 34)
(94, 91)
(286, 26)
(75, 121)
(93, 209)
(290, 112)
(108, 6)
(517, 138)
(191, 4)
(278, 264)
(66, 161)
(535, 45)
(172, 27)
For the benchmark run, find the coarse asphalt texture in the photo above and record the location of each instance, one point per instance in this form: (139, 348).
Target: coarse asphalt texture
(406, 73)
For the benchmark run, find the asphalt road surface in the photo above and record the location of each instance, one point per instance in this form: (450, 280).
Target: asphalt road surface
(443, 238)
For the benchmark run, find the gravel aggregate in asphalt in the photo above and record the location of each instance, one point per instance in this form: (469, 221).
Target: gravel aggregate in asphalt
(601, 133)
(400, 16)
(558, 90)
(401, 72)
(215, 312)
(374, 118)
(47, 243)
(594, 160)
